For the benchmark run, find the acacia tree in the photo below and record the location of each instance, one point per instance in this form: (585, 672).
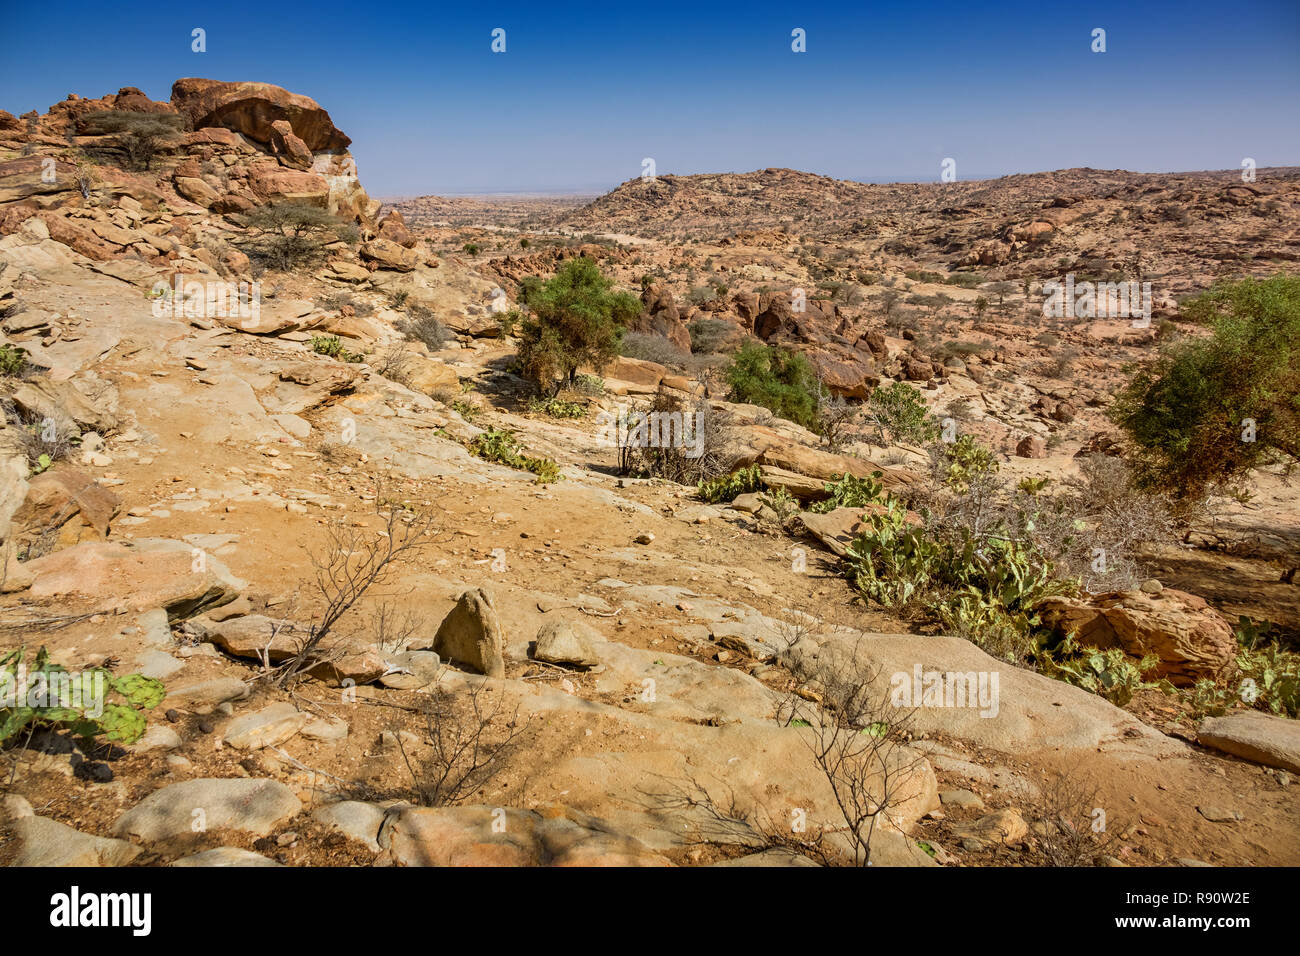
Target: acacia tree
(1209, 409)
(140, 135)
(575, 319)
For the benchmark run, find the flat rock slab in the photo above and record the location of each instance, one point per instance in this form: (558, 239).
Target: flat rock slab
(46, 842)
(202, 698)
(154, 573)
(1261, 738)
(226, 856)
(1020, 712)
(487, 836)
(267, 727)
(250, 805)
(355, 818)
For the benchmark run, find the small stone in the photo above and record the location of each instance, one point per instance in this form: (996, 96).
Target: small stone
(645, 537)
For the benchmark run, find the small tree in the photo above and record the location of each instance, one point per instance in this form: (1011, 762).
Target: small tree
(291, 234)
(775, 378)
(141, 135)
(576, 318)
(899, 414)
(1208, 410)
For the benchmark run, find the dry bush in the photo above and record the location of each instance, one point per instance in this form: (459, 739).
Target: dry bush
(858, 740)
(423, 326)
(675, 461)
(395, 363)
(469, 739)
(354, 560)
(1074, 829)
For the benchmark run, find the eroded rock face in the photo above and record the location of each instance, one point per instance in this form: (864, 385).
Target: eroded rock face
(1190, 638)
(253, 109)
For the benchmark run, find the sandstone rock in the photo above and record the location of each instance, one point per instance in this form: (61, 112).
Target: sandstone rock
(558, 642)
(83, 404)
(1031, 446)
(55, 497)
(357, 819)
(290, 150)
(46, 842)
(471, 634)
(253, 635)
(203, 698)
(253, 108)
(1260, 738)
(1190, 638)
(152, 573)
(836, 529)
(635, 371)
(387, 254)
(268, 727)
(196, 191)
(246, 804)
(1001, 826)
(226, 856)
(277, 184)
(466, 836)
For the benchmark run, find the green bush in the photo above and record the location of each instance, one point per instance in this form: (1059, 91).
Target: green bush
(777, 379)
(576, 318)
(141, 135)
(899, 414)
(1189, 413)
(13, 361)
(852, 492)
(333, 346)
(1110, 673)
(502, 447)
(291, 235)
(742, 481)
(121, 717)
(557, 408)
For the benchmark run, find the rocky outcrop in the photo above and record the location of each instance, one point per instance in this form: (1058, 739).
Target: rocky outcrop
(253, 109)
(1190, 638)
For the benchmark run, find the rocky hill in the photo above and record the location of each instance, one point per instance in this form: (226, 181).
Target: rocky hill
(387, 635)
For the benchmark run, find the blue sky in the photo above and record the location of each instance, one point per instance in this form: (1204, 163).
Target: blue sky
(585, 91)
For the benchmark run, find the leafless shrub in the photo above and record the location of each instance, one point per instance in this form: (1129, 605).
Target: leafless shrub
(1074, 829)
(40, 436)
(354, 560)
(857, 738)
(836, 417)
(666, 453)
(396, 364)
(652, 348)
(469, 738)
(392, 627)
(423, 326)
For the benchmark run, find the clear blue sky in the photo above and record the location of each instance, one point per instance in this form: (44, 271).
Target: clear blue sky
(585, 91)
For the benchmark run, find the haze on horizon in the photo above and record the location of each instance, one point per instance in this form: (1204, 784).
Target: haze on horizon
(584, 93)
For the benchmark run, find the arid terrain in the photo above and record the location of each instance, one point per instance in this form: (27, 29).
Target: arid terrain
(381, 644)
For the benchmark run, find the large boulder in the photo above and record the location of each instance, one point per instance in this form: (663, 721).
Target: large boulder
(55, 497)
(1191, 639)
(386, 254)
(210, 805)
(149, 573)
(277, 184)
(1261, 738)
(253, 109)
(471, 634)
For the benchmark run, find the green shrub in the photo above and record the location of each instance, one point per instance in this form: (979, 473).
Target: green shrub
(1189, 413)
(852, 492)
(576, 318)
(502, 447)
(775, 378)
(1110, 673)
(899, 414)
(333, 346)
(742, 481)
(120, 717)
(557, 408)
(13, 361)
(141, 135)
(291, 235)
